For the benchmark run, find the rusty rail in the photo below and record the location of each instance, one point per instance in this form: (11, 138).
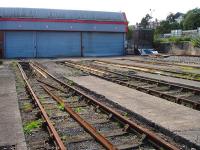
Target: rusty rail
(130, 124)
(53, 131)
(147, 79)
(151, 70)
(82, 122)
(162, 63)
(179, 100)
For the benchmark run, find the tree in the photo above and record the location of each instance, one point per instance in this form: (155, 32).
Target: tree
(163, 28)
(169, 24)
(129, 34)
(192, 19)
(145, 21)
(171, 18)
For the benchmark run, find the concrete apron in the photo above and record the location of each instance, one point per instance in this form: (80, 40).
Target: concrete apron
(11, 131)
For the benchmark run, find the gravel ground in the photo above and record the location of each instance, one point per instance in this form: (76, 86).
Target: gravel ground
(180, 59)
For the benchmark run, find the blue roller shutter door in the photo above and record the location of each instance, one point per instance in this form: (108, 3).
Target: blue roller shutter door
(58, 44)
(103, 44)
(19, 44)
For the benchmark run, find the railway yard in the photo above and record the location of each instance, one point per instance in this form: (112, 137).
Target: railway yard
(137, 102)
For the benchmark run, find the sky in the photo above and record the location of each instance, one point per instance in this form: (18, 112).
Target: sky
(134, 9)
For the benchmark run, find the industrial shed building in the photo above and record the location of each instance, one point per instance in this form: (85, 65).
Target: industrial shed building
(37, 33)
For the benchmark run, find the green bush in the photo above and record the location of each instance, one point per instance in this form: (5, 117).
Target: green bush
(196, 42)
(1, 62)
(172, 40)
(160, 40)
(179, 39)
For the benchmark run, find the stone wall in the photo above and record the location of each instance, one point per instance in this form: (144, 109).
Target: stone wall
(184, 48)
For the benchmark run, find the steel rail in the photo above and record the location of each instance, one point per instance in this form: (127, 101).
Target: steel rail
(53, 131)
(161, 63)
(179, 100)
(130, 124)
(150, 70)
(92, 131)
(187, 87)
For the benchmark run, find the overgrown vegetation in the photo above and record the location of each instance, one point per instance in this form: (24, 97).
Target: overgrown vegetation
(196, 42)
(61, 106)
(191, 19)
(188, 21)
(30, 126)
(27, 107)
(129, 34)
(175, 40)
(70, 82)
(78, 109)
(42, 98)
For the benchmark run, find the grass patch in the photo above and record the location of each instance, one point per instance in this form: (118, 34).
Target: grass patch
(27, 107)
(49, 112)
(175, 40)
(187, 68)
(64, 138)
(70, 82)
(30, 126)
(78, 109)
(118, 124)
(196, 42)
(125, 114)
(14, 64)
(61, 106)
(189, 76)
(42, 98)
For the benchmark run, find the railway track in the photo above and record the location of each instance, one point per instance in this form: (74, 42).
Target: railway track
(160, 71)
(82, 122)
(37, 135)
(178, 93)
(154, 62)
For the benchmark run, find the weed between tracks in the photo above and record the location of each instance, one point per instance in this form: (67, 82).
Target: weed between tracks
(61, 106)
(189, 76)
(27, 107)
(30, 126)
(42, 98)
(188, 68)
(35, 136)
(78, 109)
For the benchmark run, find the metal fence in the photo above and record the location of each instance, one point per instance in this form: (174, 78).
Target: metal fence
(179, 33)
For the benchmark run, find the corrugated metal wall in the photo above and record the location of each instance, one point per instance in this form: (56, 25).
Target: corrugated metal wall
(60, 26)
(103, 44)
(58, 44)
(27, 44)
(19, 44)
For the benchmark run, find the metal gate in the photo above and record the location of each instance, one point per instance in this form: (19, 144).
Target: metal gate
(58, 44)
(19, 44)
(102, 44)
(30, 44)
(25, 44)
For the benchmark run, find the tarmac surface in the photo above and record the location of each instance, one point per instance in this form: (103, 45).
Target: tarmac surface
(178, 119)
(11, 131)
